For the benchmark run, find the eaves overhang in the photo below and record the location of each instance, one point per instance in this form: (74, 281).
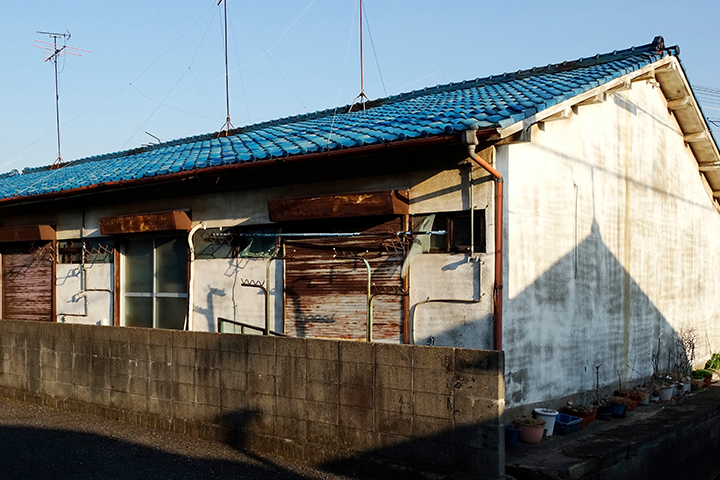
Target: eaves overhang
(682, 103)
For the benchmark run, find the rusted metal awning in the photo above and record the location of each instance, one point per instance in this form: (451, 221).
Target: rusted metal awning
(27, 233)
(148, 222)
(390, 202)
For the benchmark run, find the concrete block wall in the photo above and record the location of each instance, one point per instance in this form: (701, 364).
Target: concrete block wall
(337, 404)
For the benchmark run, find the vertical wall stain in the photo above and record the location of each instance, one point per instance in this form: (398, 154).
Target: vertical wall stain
(627, 254)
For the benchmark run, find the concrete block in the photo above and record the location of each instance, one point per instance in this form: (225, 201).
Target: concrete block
(183, 374)
(356, 417)
(208, 377)
(396, 448)
(49, 373)
(264, 384)
(161, 389)
(138, 351)
(323, 370)
(159, 406)
(161, 371)
(355, 440)
(436, 455)
(322, 454)
(262, 424)
(356, 352)
(356, 395)
(479, 361)
(82, 393)
(159, 337)
(207, 395)
(433, 381)
(319, 349)
(120, 400)
(119, 350)
(160, 353)
(291, 407)
(356, 373)
(118, 366)
(233, 400)
(207, 341)
(262, 404)
(261, 345)
(139, 386)
(100, 397)
(291, 429)
(183, 339)
(392, 376)
(139, 368)
(295, 367)
(230, 342)
(470, 409)
(434, 358)
(208, 358)
(184, 356)
(64, 345)
(291, 347)
(235, 361)
(394, 423)
(182, 392)
(322, 412)
(394, 355)
(63, 390)
(184, 410)
(290, 387)
(100, 349)
(479, 435)
(322, 392)
(323, 433)
(233, 380)
(390, 400)
(82, 346)
(118, 383)
(261, 364)
(481, 385)
(433, 405)
(431, 428)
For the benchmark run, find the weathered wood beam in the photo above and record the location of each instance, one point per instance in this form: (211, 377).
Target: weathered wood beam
(595, 99)
(679, 103)
(696, 137)
(150, 222)
(28, 233)
(391, 202)
(709, 167)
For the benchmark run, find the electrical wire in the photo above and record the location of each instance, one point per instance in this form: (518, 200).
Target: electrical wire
(372, 43)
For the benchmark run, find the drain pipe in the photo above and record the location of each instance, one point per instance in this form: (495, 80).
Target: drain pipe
(469, 138)
(191, 273)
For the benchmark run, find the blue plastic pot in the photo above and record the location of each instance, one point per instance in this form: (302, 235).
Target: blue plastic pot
(617, 410)
(511, 435)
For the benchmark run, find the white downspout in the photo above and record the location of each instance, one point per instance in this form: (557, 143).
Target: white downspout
(191, 280)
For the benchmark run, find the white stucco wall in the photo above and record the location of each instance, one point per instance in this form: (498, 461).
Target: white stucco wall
(77, 303)
(612, 242)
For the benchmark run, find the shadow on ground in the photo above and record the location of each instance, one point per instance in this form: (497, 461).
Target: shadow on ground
(34, 453)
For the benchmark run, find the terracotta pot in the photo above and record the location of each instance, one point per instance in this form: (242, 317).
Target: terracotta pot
(530, 434)
(708, 381)
(587, 417)
(634, 404)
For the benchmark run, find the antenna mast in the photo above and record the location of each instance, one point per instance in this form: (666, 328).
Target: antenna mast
(55, 52)
(227, 125)
(362, 98)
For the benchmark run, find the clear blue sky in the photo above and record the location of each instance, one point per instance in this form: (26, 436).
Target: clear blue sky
(158, 66)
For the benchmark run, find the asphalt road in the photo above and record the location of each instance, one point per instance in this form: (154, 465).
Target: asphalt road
(43, 443)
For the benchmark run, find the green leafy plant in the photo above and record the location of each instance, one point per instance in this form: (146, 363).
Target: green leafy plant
(701, 373)
(714, 363)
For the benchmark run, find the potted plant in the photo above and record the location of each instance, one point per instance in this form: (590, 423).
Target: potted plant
(531, 429)
(586, 412)
(512, 434)
(703, 374)
(618, 405)
(603, 409)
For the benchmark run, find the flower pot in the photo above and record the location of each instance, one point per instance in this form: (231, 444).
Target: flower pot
(512, 434)
(604, 412)
(697, 384)
(644, 398)
(633, 405)
(686, 387)
(548, 415)
(617, 410)
(587, 417)
(708, 381)
(530, 434)
(666, 393)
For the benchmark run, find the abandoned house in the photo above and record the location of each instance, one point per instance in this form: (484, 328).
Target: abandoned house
(566, 214)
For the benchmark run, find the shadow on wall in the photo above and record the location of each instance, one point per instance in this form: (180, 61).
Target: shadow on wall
(586, 310)
(27, 453)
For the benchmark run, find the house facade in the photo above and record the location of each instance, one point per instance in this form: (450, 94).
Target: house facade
(567, 215)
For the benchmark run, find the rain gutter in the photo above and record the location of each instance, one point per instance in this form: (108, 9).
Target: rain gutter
(470, 138)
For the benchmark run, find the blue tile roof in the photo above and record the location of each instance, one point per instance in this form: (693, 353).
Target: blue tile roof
(497, 101)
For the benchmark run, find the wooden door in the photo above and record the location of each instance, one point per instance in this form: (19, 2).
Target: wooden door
(27, 289)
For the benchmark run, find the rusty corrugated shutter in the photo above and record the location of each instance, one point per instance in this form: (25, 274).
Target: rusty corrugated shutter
(326, 296)
(27, 290)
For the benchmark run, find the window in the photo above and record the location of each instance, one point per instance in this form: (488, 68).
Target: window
(155, 282)
(254, 241)
(457, 230)
(97, 250)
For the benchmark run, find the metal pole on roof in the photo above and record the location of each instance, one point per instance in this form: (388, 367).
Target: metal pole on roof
(54, 53)
(227, 125)
(362, 98)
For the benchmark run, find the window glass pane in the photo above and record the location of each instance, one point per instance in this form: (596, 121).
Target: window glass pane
(139, 266)
(172, 261)
(171, 313)
(138, 312)
(460, 231)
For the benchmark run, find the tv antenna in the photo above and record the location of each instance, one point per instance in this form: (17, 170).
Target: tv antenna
(55, 51)
(227, 125)
(362, 98)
